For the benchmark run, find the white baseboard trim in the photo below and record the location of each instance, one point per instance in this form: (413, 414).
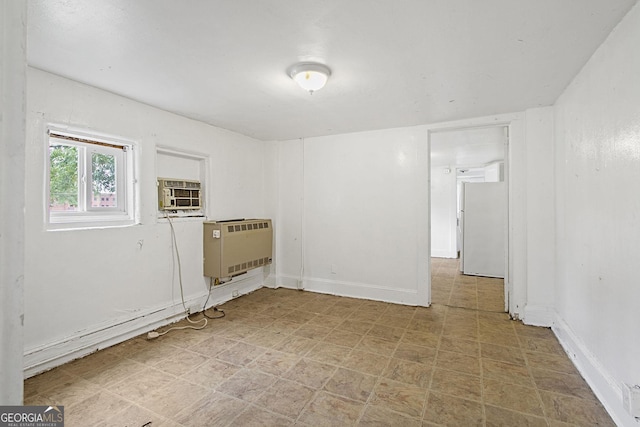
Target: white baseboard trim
(49, 355)
(538, 315)
(605, 387)
(351, 289)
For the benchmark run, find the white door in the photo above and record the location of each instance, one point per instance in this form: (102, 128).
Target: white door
(483, 228)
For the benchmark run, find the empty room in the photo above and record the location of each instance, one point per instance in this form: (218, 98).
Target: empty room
(273, 213)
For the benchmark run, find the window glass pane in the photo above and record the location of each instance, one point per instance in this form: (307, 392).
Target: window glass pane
(103, 176)
(63, 178)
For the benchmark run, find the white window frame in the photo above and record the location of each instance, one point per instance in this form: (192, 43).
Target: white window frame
(87, 216)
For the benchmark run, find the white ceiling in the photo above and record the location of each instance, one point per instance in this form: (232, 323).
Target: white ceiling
(394, 63)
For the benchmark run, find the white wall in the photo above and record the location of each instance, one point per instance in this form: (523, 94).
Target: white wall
(351, 204)
(540, 217)
(598, 216)
(13, 43)
(443, 212)
(88, 288)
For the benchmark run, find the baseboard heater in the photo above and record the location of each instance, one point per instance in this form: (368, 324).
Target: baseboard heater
(236, 246)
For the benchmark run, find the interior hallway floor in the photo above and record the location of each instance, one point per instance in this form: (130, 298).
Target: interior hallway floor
(284, 357)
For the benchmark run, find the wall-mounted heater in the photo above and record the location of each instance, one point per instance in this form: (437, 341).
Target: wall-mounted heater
(236, 246)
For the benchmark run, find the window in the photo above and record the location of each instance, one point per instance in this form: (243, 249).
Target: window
(90, 180)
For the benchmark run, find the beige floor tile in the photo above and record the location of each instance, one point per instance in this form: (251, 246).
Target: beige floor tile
(452, 411)
(181, 363)
(310, 373)
(328, 410)
(455, 345)
(423, 325)
(298, 316)
(506, 372)
(296, 345)
(408, 372)
(456, 384)
(241, 354)
(155, 353)
(503, 417)
(415, 353)
(235, 332)
(259, 417)
(395, 321)
(573, 410)
(375, 416)
(404, 398)
(464, 332)
(211, 373)
(386, 332)
(513, 397)
(326, 321)
(513, 355)
(134, 416)
(106, 375)
(274, 362)
(312, 331)
(357, 326)
(343, 338)
(499, 338)
(351, 384)
(264, 338)
(424, 339)
(458, 362)
(70, 393)
(557, 382)
(54, 379)
(286, 398)
(169, 400)
(328, 353)
(246, 384)
(137, 386)
(550, 361)
(545, 345)
(89, 363)
(216, 410)
(376, 345)
(365, 362)
(95, 409)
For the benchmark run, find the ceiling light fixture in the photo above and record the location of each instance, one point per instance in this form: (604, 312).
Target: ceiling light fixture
(310, 76)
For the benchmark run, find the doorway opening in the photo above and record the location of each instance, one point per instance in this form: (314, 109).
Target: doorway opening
(469, 217)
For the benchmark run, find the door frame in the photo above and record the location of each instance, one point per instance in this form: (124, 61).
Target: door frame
(514, 296)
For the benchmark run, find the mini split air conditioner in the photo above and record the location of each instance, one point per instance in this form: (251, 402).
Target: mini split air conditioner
(174, 194)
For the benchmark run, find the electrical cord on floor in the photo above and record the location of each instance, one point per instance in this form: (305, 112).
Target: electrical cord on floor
(204, 307)
(174, 247)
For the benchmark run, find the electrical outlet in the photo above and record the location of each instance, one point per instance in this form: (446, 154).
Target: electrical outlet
(234, 294)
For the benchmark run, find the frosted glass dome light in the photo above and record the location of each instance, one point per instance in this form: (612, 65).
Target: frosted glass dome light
(310, 76)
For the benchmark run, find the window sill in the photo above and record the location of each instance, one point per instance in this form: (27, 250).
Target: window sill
(89, 223)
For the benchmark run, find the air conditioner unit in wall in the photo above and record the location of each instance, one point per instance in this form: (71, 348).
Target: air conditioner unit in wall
(174, 194)
(234, 247)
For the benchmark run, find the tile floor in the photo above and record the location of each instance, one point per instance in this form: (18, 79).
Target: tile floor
(284, 357)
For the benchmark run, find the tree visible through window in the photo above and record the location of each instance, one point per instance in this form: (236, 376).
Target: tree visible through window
(103, 176)
(63, 177)
(88, 180)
